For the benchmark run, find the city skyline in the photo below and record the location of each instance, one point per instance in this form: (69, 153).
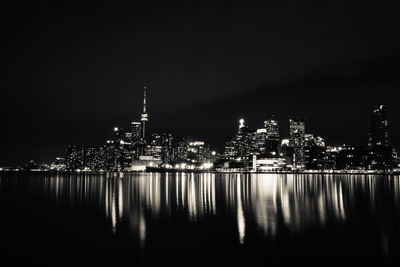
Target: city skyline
(266, 148)
(379, 120)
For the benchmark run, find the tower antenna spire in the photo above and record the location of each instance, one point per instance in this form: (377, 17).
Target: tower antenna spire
(144, 117)
(144, 99)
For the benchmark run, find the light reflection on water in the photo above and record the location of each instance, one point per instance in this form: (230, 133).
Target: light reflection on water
(268, 201)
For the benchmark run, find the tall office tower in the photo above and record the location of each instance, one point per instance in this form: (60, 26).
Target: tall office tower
(297, 141)
(260, 140)
(244, 140)
(315, 152)
(229, 149)
(182, 149)
(380, 155)
(165, 141)
(272, 137)
(144, 117)
(380, 125)
(136, 132)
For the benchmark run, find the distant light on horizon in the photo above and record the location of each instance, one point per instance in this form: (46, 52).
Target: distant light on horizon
(241, 123)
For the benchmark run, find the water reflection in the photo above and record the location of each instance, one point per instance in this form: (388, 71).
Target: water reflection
(267, 202)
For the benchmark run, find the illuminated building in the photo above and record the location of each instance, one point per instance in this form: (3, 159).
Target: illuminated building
(75, 158)
(380, 126)
(313, 141)
(229, 149)
(193, 150)
(136, 132)
(182, 149)
(260, 139)
(351, 158)
(287, 152)
(198, 151)
(380, 154)
(165, 142)
(315, 153)
(268, 164)
(272, 137)
(144, 117)
(58, 164)
(244, 140)
(154, 151)
(297, 141)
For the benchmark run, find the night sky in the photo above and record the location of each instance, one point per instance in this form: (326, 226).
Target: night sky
(71, 72)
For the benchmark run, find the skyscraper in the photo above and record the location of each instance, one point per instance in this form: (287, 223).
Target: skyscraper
(380, 125)
(297, 141)
(266, 140)
(144, 117)
(136, 132)
(380, 155)
(243, 140)
(272, 136)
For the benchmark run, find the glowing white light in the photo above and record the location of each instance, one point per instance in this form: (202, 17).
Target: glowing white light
(241, 123)
(213, 153)
(285, 142)
(115, 129)
(207, 165)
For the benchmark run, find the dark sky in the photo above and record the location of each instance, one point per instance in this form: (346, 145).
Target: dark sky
(71, 72)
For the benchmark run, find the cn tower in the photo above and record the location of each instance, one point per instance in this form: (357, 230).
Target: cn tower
(144, 116)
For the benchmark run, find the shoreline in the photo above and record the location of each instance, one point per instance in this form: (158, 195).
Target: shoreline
(342, 172)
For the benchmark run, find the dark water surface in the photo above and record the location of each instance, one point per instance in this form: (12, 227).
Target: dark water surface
(199, 219)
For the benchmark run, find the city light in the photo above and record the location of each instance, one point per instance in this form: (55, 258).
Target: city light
(241, 123)
(247, 150)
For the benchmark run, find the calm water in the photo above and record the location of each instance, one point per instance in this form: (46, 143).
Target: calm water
(199, 219)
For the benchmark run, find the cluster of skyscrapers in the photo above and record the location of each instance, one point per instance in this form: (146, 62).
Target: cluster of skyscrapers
(133, 150)
(249, 150)
(264, 150)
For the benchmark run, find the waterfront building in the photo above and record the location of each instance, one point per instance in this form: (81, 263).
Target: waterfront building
(272, 143)
(297, 142)
(380, 126)
(58, 164)
(352, 158)
(315, 153)
(165, 141)
(244, 141)
(75, 158)
(380, 152)
(268, 164)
